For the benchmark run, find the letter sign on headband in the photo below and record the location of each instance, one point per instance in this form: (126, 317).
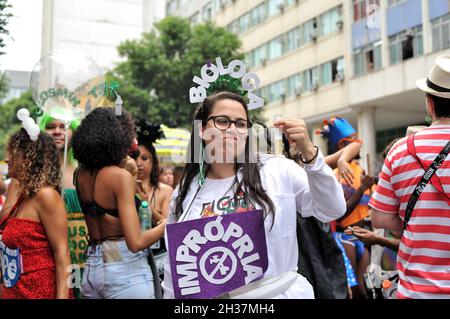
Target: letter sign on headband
(236, 69)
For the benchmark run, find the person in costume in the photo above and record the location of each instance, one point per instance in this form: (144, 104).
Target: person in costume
(50, 124)
(34, 232)
(77, 225)
(356, 188)
(278, 186)
(116, 265)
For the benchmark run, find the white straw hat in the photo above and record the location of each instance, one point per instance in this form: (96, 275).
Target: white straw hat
(438, 81)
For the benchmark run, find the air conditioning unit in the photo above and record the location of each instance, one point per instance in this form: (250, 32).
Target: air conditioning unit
(340, 25)
(315, 86)
(283, 97)
(340, 76)
(280, 7)
(264, 61)
(298, 92)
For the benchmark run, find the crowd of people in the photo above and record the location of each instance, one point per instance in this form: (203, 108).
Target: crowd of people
(77, 232)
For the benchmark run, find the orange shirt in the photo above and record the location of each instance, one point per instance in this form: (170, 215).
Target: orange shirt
(362, 209)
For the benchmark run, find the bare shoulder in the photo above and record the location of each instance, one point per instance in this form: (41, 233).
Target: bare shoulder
(47, 193)
(47, 197)
(115, 173)
(116, 179)
(165, 189)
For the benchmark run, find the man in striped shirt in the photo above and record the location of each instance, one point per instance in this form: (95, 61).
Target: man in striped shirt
(423, 259)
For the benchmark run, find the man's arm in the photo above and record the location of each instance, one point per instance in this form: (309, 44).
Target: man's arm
(386, 220)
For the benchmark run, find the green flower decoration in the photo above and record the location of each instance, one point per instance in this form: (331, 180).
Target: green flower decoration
(226, 83)
(37, 112)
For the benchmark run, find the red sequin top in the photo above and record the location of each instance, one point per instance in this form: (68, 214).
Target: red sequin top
(38, 279)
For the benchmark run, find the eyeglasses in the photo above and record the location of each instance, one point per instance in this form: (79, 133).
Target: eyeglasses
(222, 123)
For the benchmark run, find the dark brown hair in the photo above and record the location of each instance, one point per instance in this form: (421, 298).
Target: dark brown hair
(251, 183)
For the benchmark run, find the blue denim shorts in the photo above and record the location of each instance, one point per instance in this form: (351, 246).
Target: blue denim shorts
(112, 271)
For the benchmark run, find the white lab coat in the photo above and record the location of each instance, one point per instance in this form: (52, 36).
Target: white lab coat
(312, 191)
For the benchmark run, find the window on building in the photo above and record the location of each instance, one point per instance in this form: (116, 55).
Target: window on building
(294, 85)
(277, 91)
(358, 62)
(294, 39)
(329, 22)
(260, 55)
(220, 4)
(331, 72)
(311, 79)
(367, 59)
(441, 33)
(244, 23)
(340, 70)
(207, 12)
(326, 76)
(172, 7)
(276, 47)
(234, 27)
(309, 29)
(385, 137)
(275, 7)
(258, 14)
(406, 45)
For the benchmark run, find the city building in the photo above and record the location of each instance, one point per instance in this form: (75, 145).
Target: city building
(357, 59)
(18, 83)
(93, 27)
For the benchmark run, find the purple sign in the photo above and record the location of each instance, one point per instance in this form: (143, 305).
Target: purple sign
(214, 255)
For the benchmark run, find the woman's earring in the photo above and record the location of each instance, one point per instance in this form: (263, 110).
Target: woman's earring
(201, 163)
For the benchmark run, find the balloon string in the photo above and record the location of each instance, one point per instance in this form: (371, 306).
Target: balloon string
(66, 126)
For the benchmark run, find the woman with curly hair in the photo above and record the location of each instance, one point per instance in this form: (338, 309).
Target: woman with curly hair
(116, 264)
(56, 128)
(34, 232)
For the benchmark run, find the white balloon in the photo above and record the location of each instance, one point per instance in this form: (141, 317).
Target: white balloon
(34, 137)
(27, 123)
(34, 130)
(22, 114)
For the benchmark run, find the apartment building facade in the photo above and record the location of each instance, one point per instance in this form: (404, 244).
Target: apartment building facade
(358, 59)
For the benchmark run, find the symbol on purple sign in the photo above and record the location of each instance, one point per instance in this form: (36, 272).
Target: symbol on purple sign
(218, 263)
(211, 256)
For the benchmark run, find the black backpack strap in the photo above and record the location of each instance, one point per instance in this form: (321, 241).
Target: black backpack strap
(424, 180)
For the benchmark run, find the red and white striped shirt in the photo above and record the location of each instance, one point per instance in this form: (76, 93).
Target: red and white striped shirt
(423, 259)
